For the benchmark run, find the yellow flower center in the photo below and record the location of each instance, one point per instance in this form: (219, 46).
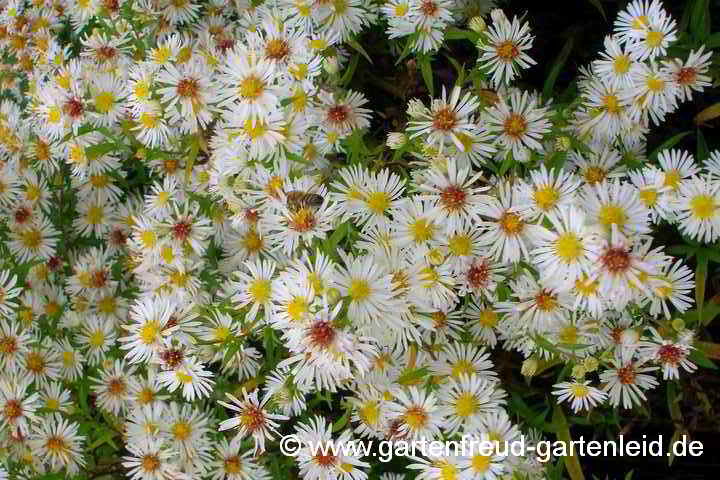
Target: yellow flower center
(359, 290)
(568, 247)
(260, 290)
(465, 404)
(703, 206)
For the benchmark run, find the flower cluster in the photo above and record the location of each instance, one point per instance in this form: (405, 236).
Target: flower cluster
(198, 249)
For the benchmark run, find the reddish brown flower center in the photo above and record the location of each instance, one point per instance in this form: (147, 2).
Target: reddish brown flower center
(105, 53)
(22, 214)
(545, 301)
(321, 334)
(686, 76)
(338, 114)
(188, 88)
(116, 386)
(478, 274)
(8, 345)
(670, 354)
(428, 8)
(181, 230)
(616, 260)
(626, 375)
(99, 278)
(74, 107)
(453, 197)
(172, 357)
(118, 237)
(277, 49)
(443, 119)
(12, 410)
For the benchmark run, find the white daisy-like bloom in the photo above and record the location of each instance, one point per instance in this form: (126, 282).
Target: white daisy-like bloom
(562, 254)
(546, 192)
(151, 459)
(250, 84)
(187, 427)
(698, 209)
(519, 123)
(456, 198)
(252, 419)
(616, 63)
(380, 198)
(535, 306)
(8, 292)
(56, 399)
(285, 393)
(414, 415)
(646, 27)
(322, 457)
(581, 395)
(466, 401)
(254, 287)
(231, 464)
(57, 443)
(690, 75)
(150, 318)
(438, 464)
(188, 93)
(601, 163)
(151, 125)
(676, 165)
(342, 113)
(369, 289)
(370, 412)
(504, 52)
(607, 110)
(34, 241)
(508, 236)
(483, 323)
(17, 405)
(653, 93)
(670, 355)
(188, 374)
(625, 383)
(621, 268)
(652, 192)
(95, 338)
(259, 137)
(447, 121)
(676, 282)
(414, 225)
(112, 389)
(615, 203)
(483, 464)
(712, 166)
(480, 277)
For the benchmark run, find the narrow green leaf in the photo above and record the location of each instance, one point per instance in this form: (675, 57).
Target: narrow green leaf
(702, 147)
(412, 376)
(557, 66)
(355, 45)
(713, 41)
(669, 143)
(426, 69)
(700, 20)
(598, 5)
(562, 431)
(699, 358)
(350, 70)
(454, 33)
(700, 276)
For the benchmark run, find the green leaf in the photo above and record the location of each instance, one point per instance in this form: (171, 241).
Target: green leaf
(713, 41)
(699, 358)
(426, 69)
(412, 376)
(342, 421)
(702, 147)
(454, 33)
(598, 5)
(355, 45)
(350, 70)
(557, 66)
(562, 431)
(669, 143)
(700, 276)
(700, 20)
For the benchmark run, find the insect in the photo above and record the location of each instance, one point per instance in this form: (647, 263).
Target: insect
(298, 199)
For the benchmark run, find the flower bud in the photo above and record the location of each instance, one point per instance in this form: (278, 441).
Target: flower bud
(579, 372)
(396, 140)
(562, 144)
(529, 367)
(477, 24)
(590, 364)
